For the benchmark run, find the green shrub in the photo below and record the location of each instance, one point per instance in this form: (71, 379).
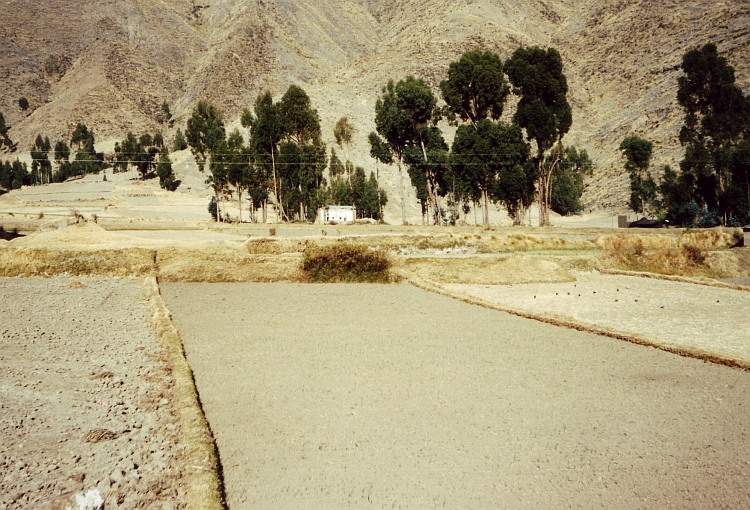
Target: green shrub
(345, 263)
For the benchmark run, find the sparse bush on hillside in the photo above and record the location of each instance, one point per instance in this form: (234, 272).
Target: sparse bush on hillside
(345, 263)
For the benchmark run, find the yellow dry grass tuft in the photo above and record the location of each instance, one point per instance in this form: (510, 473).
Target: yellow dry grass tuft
(226, 264)
(711, 238)
(205, 491)
(421, 243)
(484, 270)
(131, 262)
(706, 239)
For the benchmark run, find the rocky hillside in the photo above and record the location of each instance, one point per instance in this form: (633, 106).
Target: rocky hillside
(111, 63)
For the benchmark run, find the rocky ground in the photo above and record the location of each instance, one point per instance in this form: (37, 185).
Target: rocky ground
(85, 396)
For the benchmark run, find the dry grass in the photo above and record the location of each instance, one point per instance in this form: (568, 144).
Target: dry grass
(418, 243)
(205, 491)
(345, 263)
(685, 261)
(487, 271)
(707, 239)
(226, 265)
(693, 253)
(132, 262)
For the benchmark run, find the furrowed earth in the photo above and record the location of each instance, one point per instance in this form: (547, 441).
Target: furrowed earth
(475, 381)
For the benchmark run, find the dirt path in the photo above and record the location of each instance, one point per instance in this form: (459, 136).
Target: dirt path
(336, 396)
(84, 396)
(677, 315)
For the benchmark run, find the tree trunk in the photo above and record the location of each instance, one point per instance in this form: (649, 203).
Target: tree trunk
(403, 197)
(486, 208)
(239, 202)
(277, 205)
(431, 195)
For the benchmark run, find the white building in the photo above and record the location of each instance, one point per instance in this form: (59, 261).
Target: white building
(337, 214)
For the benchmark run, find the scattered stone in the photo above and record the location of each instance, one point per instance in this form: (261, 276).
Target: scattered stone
(97, 435)
(91, 500)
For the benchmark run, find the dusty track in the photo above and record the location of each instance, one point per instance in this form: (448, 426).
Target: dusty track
(340, 396)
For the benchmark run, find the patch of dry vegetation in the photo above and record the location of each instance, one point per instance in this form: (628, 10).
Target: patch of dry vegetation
(346, 263)
(693, 253)
(421, 243)
(130, 262)
(488, 271)
(226, 265)
(707, 239)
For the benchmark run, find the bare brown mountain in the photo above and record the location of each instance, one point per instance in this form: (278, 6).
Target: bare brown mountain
(111, 63)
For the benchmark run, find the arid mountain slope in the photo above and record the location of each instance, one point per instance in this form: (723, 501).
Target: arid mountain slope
(110, 63)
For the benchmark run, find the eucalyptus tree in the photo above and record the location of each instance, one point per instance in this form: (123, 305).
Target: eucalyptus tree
(302, 154)
(41, 167)
(476, 87)
(343, 133)
(543, 109)
(4, 138)
(164, 170)
(205, 132)
(568, 182)
(393, 133)
(717, 118)
(488, 155)
(406, 118)
(266, 131)
(637, 152)
(489, 158)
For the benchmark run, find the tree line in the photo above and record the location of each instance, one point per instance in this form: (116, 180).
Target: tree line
(711, 187)
(146, 154)
(489, 161)
(284, 159)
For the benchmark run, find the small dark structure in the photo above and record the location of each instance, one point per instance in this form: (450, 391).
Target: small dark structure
(646, 223)
(9, 236)
(622, 221)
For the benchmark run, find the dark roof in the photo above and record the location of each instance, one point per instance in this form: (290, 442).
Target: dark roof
(645, 223)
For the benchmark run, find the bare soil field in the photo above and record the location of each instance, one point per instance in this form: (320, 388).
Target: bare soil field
(696, 318)
(85, 397)
(344, 396)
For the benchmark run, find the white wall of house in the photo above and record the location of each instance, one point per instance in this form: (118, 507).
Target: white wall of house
(336, 214)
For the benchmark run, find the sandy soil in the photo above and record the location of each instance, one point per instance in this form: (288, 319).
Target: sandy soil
(84, 396)
(336, 396)
(674, 314)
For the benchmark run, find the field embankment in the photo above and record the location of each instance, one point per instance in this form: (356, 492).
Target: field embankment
(490, 257)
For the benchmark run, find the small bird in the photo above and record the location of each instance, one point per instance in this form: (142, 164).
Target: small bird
(636, 300)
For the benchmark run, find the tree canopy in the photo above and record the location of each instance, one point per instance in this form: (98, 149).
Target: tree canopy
(476, 87)
(543, 109)
(205, 131)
